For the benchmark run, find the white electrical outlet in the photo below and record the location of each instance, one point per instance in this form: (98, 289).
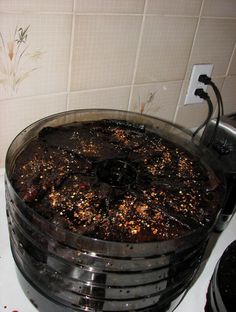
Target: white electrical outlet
(198, 69)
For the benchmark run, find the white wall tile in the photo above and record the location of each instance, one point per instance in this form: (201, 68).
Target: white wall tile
(43, 57)
(191, 116)
(176, 7)
(214, 44)
(104, 51)
(159, 99)
(109, 6)
(229, 95)
(36, 5)
(232, 69)
(116, 98)
(221, 8)
(19, 113)
(165, 48)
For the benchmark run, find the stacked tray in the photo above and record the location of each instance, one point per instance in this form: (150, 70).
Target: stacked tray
(64, 271)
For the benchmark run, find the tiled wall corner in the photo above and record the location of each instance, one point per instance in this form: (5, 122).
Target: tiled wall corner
(214, 44)
(123, 54)
(232, 67)
(229, 94)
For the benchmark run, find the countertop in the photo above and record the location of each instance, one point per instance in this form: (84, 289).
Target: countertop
(12, 298)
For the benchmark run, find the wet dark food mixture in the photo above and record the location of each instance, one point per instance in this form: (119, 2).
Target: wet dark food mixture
(114, 180)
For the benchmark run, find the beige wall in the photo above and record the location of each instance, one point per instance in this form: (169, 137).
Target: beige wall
(125, 54)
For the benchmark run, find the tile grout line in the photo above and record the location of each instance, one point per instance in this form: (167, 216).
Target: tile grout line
(218, 17)
(228, 68)
(36, 12)
(113, 14)
(71, 55)
(29, 97)
(188, 63)
(140, 14)
(101, 89)
(193, 16)
(137, 53)
(230, 60)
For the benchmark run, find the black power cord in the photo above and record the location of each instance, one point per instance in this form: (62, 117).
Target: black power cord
(220, 107)
(203, 95)
(207, 81)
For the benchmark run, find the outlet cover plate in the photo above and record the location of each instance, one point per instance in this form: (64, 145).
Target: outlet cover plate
(198, 69)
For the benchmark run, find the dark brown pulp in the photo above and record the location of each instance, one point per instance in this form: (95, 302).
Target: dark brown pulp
(114, 180)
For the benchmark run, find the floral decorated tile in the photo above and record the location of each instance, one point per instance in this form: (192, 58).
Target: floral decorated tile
(34, 54)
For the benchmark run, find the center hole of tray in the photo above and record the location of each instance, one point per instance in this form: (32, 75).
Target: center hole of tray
(116, 172)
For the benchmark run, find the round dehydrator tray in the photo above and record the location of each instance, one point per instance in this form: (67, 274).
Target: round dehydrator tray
(68, 270)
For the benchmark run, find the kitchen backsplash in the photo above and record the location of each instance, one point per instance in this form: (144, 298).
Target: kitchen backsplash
(136, 55)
